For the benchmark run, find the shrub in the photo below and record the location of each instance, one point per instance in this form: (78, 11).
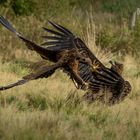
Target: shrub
(23, 7)
(3, 1)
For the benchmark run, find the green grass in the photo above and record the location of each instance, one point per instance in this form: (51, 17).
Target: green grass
(52, 109)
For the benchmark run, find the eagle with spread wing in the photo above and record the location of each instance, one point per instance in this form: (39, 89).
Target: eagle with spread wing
(70, 53)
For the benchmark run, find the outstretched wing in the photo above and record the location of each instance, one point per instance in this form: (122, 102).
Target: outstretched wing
(45, 54)
(43, 72)
(61, 39)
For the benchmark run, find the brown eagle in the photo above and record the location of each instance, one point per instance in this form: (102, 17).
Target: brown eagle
(70, 53)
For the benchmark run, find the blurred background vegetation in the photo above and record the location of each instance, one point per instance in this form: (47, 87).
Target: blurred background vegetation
(112, 20)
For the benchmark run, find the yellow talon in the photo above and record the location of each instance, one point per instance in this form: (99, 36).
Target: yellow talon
(95, 66)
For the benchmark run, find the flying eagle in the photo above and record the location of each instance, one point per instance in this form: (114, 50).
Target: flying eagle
(70, 53)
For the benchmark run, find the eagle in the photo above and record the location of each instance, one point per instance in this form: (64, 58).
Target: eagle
(69, 53)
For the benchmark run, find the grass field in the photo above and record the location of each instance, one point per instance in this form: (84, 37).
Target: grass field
(51, 109)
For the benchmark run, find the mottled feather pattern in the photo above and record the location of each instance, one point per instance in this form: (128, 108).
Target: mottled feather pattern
(70, 53)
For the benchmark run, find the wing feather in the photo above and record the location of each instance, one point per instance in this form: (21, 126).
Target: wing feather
(43, 72)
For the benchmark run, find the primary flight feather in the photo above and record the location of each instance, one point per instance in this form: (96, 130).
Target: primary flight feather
(70, 53)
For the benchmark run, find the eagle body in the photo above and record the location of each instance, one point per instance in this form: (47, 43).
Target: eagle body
(70, 53)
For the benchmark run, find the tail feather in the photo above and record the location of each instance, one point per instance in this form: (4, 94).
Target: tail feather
(111, 73)
(106, 76)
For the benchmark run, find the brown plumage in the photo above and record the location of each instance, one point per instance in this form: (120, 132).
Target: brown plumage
(69, 53)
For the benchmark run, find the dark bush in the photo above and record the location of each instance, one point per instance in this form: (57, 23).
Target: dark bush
(23, 7)
(120, 7)
(3, 1)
